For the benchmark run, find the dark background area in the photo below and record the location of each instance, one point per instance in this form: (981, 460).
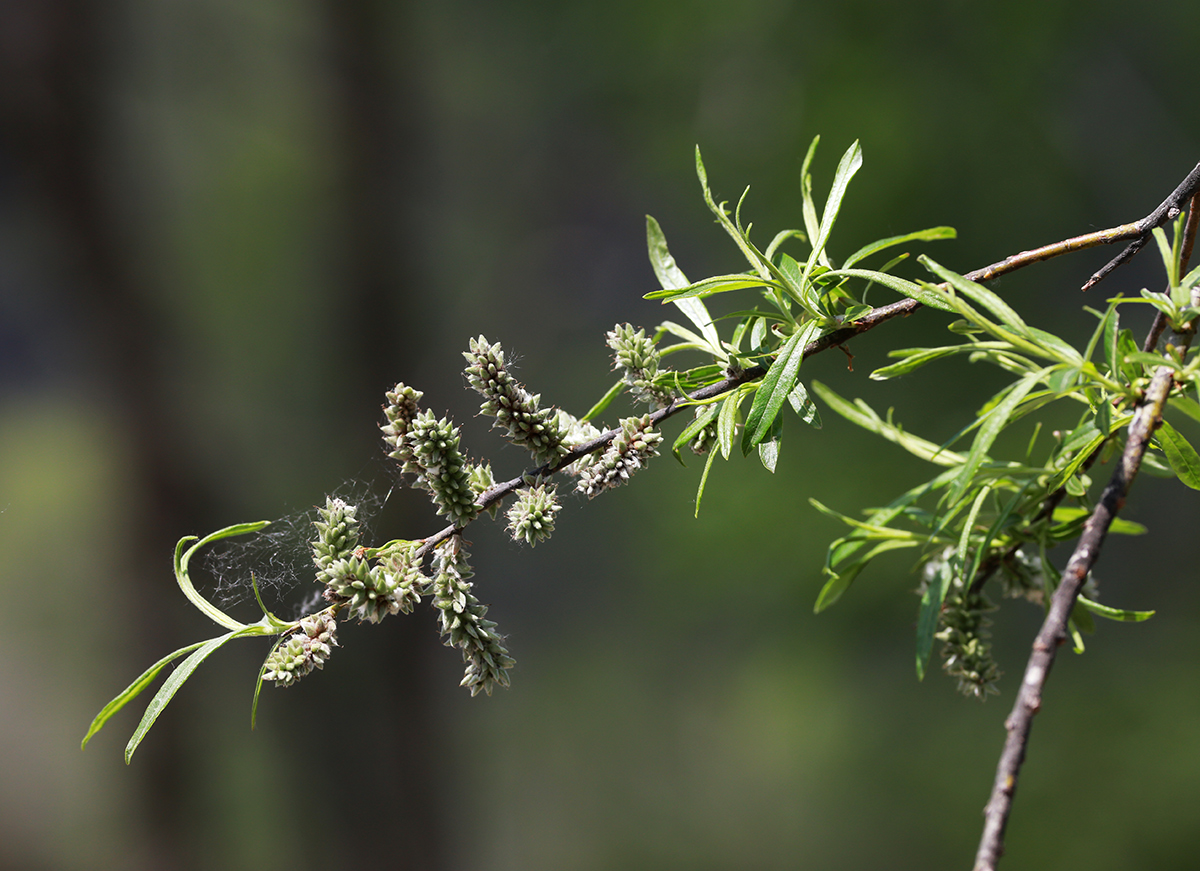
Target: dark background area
(226, 228)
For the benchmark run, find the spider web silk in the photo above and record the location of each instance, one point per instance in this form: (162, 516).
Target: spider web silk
(279, 557)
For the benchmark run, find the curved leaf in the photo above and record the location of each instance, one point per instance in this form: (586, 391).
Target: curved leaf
(776, 385)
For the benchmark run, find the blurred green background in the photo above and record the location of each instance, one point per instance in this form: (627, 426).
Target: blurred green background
(226, 228)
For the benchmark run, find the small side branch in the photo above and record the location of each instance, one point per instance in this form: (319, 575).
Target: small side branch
(1168, 210)
(1054, 629)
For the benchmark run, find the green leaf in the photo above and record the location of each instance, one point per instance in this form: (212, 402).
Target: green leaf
(841, 580)
(847, 167)
(709, 286)
(863, 415)
(1185, 405)
(1145, 358)
(776, 385)
(605, 401)
(915, 358)
(172, 684)
(768, 450)
(793, 276)
(922, 294)
(1180, 454)
(977, 292)
(132, 691)
(1120, 526)
(928, 235)
(727, 420)
(690, 431)
(994, 421)
(809, 207)
(185, 582)
(704, 480)
(1115, 613)
(1112, 330)
(927, 616)
(671, 276)
(804, 407)
(781, 237)
(1170, 256)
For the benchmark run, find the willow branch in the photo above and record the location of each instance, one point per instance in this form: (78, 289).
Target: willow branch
(838, 337)
(1087, 550)
(1054, 628)
(1168, 210)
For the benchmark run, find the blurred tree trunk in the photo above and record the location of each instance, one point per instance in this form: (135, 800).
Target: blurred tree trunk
(55, 72)
(55, 58)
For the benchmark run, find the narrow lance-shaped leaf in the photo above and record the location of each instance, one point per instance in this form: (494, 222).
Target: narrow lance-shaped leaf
(182, 558)
(692, 429)
(991, 427)
(132, 691)
(804, 407)
(847, 167)
(1115, 613)
(928, 235)
(841, 580)
(671, 276)
(174, 681)
(903, 286)
(1180, 454)
(776, 385)
(927, 616)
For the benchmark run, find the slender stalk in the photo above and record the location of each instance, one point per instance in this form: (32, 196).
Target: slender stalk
(1168, 210)
(1054, 628)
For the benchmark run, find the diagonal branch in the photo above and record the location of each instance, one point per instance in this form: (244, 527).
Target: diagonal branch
(1168, 210)
(1054, 629)
(868, 322)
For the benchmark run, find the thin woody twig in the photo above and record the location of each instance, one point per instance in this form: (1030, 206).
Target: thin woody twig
(1168, 210)
(1054, 629)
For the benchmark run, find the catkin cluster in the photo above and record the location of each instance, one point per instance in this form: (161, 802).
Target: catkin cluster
(302, 651)
(463, 620)
(514, 408)
(369, 592)
(637, 359)
(966, 653)
(632, 447)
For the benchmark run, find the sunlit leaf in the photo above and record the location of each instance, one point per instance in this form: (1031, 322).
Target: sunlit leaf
(903, 286)
(928, 235)
(776, 385)
(841, 580)
(847, 167)
(174, 681)
(1180, 454)
(862, 414)
(804, 406)
(995, 421)
(671, 276)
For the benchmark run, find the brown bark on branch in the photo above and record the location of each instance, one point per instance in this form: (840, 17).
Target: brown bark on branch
(1054, 629)
(1087, 550)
